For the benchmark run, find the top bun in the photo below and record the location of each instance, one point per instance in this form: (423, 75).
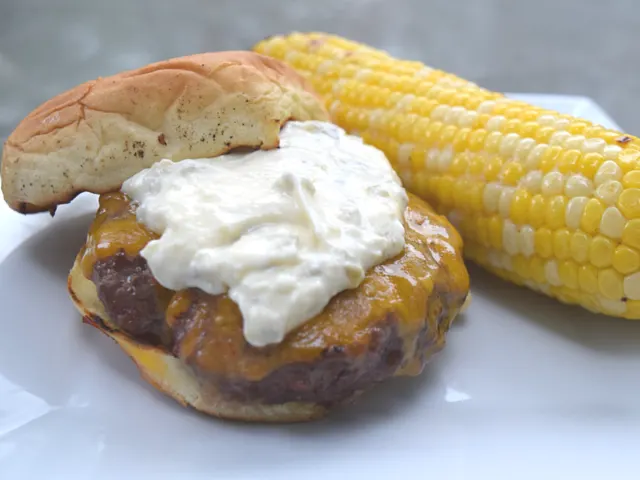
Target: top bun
(96, 135)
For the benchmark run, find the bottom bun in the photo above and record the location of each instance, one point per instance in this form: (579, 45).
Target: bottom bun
(169, 375)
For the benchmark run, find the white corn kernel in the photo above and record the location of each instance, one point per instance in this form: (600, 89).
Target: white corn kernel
(505, 262)
(467, 119)
(508, 145)
(632, 286)
(439, 113)
(614, 307)
(561, 124)
(559, 137)
(504, 205)
(573, 214)
(551, 273)
(510, 237)
(609, 170)
(375, 117)
(611, 152)
(445, 158)
(362, 74)
(486, 106)
(524, 147)
(491, 197)
(574, 142)
(496, 123)
(533, 159)
(423, 72)
(552, 184)
(546, 120)
(612, 223)
(405, 101)
(609, 191)
(578, 186)
(532, 181)
(325, 65)
(527, 240)
(452, 116)
(431, 159)
(404, 154)
(593, 145)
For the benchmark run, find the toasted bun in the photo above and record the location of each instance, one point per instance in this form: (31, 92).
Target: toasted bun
(96, 135)
(169, 375)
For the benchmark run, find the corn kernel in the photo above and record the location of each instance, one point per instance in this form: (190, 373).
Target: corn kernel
(628, 159)
(495, 232)
(611, 152)
(578, 186)
(521, 266)
(543, 242)
(529, 130)
(556, 209)
(575, 208)
(579, 246)
(612, 307)
(476, 140)
(593, 145)
(508, 145)
(633, 309)
(492, 168)
(496, 123)
(568, 272)
(551, 273)
(609, 191)
(610, 284)
(609, 170)
(549, 158)
(520, 206)
(511, 173)
(574, 142)
(631, 233)
(561, 239)
(460, 141)
(629, 203)
(543, 135)
(533, 159)
(559, 137)
(612, 223)
(591, 216)
(526, 241)
(546, 120)
(532, 181)
(510, 237)
(588, 278)
(476, 165)
(504, 204)
(589, 164)
(536, 266)
(632, 179)
(537, 211)
(552, 184)
(601, 252)
(632, 286)
(568, 161)
(626, 260)
(577, 128)
(492, 142)
(525, 145)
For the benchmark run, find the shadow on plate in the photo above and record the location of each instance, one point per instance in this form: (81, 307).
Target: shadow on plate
(608, 335)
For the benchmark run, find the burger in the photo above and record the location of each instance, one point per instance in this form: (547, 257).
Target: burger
(254, 261)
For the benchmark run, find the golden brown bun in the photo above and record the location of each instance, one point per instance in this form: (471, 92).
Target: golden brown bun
(96, 135)
(169, 374)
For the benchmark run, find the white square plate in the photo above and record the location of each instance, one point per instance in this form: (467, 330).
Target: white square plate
(527, 388)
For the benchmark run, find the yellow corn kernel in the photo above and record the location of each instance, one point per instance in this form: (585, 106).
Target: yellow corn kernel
(549, 158)
(588, 278)
(579, 246)
(492, 169)
(591, 216)
(536, 265)
(511, 173)
(610, 284)
(537, 211)
(568, 161)
(632, 179)
(626, 260)
(589, 164)
(543, 242)
(568, 272)
(629, 203)
(631, 233)
(556, 210)
(601, 251)
(561, 240)
(495, 232)
(520, 204)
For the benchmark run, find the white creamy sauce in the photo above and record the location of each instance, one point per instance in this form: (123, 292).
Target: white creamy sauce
(281, 231)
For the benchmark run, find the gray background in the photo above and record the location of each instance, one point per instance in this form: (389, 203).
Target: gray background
(588, 47)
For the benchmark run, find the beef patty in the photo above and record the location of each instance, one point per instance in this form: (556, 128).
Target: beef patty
(391, 324)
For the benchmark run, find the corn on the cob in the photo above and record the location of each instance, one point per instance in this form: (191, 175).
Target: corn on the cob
(542, 199)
